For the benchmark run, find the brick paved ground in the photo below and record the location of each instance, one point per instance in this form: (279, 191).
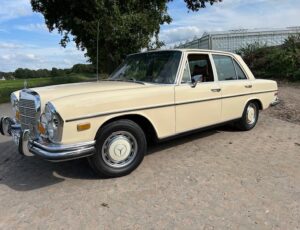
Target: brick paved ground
(218, 179)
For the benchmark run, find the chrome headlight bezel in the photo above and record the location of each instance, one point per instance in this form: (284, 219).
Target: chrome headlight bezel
(52, 122)
(14, 102)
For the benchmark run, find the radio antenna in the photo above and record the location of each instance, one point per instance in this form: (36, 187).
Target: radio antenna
(97, 68)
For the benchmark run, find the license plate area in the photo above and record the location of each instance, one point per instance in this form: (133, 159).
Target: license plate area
(16, 136)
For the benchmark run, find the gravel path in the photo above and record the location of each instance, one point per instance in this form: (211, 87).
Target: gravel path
(289, 107)
(218, 179)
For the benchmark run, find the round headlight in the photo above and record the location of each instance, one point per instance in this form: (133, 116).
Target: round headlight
(48, 113)
(43, 119)
(50, 130)
(53, 123)
(14, 101)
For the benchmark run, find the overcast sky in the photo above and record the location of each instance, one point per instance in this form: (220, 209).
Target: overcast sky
(25, 41)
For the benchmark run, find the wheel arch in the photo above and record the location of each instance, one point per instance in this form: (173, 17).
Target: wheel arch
(257, 100)
(145, 124)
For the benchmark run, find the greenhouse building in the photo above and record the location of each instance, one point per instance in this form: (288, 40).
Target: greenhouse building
(233, 40)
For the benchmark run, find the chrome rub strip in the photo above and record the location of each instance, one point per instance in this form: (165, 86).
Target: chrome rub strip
(163, 105)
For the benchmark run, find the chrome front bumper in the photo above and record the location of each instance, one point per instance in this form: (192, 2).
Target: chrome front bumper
(44, 149)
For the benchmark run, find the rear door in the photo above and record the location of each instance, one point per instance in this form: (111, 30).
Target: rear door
(235, 86)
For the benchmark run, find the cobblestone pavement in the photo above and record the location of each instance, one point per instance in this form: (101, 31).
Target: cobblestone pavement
(218, 179)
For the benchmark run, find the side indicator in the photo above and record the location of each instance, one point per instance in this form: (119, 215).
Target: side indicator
(41, 128)
(84, 126)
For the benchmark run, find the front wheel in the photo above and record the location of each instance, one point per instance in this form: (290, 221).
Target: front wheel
(120, 148)
(250, 117)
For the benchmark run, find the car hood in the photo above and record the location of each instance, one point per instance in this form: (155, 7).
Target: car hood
(90, 98)
(50, 93)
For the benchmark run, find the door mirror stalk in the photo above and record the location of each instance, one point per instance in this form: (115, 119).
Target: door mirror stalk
(195, 80)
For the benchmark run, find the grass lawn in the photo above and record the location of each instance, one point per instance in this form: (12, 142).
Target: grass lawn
(9, 86)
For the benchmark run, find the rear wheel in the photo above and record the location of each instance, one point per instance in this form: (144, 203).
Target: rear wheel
(250, 116)
(120, 148)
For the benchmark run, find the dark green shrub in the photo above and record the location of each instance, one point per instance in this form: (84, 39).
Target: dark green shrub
(279, 62)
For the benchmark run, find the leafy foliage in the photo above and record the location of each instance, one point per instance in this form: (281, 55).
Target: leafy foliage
(27, 73)
(280, 62)
(125, 26)
(195, 5)
(9, 86)
(21, 73)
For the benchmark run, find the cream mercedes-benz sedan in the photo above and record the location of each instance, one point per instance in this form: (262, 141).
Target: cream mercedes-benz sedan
(151, 96)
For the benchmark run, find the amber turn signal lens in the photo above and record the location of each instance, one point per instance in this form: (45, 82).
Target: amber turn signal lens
(41, 128)
(17, 115)
(84, 126)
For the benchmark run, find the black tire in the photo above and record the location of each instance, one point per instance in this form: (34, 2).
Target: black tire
(245, 123)
(1, 130)
(132, 139)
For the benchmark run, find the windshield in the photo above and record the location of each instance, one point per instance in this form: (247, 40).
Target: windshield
(152, 67)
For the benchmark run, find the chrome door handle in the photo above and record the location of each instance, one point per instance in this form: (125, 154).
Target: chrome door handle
(248, 86)
(215, 90)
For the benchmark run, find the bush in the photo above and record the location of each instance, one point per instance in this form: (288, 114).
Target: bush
(7, 87)
(21, 73)
(280, 62)
(82, 68)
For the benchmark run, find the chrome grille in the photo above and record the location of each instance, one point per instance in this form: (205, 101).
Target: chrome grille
(29, 108)
(27, 113)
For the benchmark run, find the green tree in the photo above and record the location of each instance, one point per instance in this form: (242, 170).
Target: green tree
(125, 26)
(82, 68)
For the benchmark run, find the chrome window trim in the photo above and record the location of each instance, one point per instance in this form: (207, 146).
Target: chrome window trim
(233, 59)
(188, 67)
(176, 75)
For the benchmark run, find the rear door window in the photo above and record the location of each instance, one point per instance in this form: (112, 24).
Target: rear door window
(225, 68)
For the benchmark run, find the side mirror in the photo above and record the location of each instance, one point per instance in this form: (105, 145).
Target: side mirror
(196, 79)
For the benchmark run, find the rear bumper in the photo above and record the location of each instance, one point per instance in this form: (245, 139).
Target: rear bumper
(275, 102)
(41, 148)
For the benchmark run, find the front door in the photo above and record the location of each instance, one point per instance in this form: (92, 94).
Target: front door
(198, 106)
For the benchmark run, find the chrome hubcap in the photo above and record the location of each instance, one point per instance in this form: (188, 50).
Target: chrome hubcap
(119, 149)
(251, 114)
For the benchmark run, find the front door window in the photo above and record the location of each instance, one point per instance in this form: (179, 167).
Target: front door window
(200, 67)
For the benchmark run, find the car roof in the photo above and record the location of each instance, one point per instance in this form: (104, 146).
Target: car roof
(204, 50)
(188, 50)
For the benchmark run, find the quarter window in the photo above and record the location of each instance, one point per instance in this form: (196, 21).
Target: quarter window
(239, 71)
(186, 74)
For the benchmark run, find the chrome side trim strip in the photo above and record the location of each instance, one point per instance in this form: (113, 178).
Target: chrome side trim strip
(163, 105)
